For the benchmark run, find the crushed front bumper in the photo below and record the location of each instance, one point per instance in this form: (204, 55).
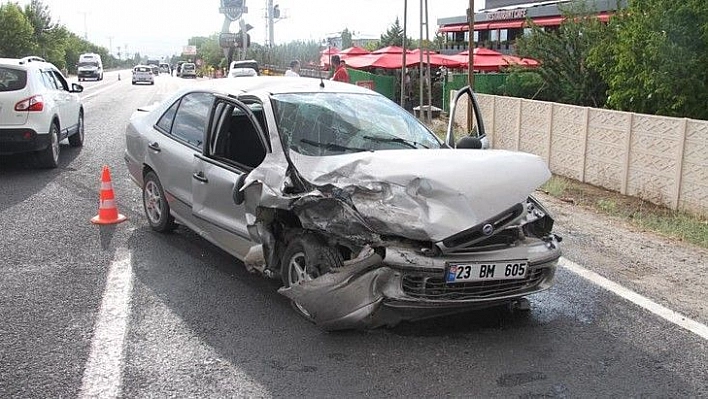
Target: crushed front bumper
(371, 291)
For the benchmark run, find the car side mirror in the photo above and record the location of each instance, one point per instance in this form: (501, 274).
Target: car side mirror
(237, 194)
(469, 142)
(76, 88)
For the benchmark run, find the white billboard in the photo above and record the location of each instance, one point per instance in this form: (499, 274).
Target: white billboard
(189, 50)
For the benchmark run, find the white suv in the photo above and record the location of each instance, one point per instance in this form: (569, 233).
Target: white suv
(38, 109)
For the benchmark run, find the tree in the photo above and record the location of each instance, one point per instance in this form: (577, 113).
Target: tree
(655, 61)
(563, 52)
(16, 34)
(393, 35)
(346, 38)
(40, 18)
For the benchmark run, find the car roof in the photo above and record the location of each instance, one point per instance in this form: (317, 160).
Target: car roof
(278, 85)
(26, 62)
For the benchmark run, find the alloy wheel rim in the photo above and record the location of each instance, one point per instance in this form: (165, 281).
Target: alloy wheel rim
(153, 202)
(81, 127)
(55, 144)
(297, 272)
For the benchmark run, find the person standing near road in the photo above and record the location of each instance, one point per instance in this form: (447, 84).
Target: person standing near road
(340, 70)
(294, 70)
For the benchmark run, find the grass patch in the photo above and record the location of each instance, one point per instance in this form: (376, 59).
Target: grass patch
(638, 212)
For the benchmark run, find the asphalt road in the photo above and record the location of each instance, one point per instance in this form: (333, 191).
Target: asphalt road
(199, 325)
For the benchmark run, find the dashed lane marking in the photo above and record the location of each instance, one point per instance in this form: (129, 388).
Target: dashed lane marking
(667, 314)
(103, 374)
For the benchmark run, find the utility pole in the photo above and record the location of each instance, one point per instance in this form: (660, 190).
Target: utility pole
(424, 79)
(110, 44)
(85, 25)
(470, 64)
(404, 91)
(271, 23)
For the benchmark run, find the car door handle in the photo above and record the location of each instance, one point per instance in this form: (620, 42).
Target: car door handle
(200, 176)
(154, 146)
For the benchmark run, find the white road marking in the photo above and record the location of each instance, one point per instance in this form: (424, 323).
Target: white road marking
(674, 317)
(97, 92)
(103, 374)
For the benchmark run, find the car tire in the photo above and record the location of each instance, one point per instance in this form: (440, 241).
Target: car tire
(49, 157)
(157, 210)
(307, 257)
(77, 139)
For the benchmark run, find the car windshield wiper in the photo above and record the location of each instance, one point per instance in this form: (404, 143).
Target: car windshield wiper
(332, 146)
(409, 143)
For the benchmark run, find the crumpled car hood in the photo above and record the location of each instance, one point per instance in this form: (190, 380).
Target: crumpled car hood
(426, 194)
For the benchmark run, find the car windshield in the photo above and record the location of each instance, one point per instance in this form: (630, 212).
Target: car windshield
(322, 124)
(88, 63)
(142, 69)
(12, 79)
(188, 66)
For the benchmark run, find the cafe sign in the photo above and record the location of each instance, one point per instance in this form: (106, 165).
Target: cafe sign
(507, 14)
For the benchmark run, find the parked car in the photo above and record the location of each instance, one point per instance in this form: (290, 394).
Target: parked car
(188, 70)
(363, 213)
(242, 72)
(143, 73)
(242, 64)
(38, 109)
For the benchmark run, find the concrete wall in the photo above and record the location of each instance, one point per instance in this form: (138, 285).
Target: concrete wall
(660, 159)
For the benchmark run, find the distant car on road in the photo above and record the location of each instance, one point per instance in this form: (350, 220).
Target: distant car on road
(189, 70)
(363, 213)
(90, 66)
(143, 74)
(38, 109)
(164, 67)
(242, 72)
(242, 64)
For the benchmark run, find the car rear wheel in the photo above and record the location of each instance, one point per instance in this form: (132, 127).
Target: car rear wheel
(49, 157)
(155, 204)
(77, 139)
(307, 257)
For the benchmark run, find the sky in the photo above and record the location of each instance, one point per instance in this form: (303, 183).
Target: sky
(159, 28)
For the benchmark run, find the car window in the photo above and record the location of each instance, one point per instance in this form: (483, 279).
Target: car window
(61, 82)
(142, 69)
(165, 122)
(236, 139)
(321, 124)
(191, 119)
(49, 80)
(12, 79)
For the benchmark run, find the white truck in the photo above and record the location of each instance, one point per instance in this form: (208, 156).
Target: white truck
(90, 66)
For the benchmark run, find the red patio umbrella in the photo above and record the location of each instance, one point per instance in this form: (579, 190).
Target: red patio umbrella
(390, 50)
(385, 61)
(490, 60)
(330, 51)
(437, 59)
(354, 51)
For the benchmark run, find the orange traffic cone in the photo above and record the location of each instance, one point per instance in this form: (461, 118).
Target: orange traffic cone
(107, 210)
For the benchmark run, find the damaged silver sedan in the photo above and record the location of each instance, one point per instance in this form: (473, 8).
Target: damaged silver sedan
(366, 216)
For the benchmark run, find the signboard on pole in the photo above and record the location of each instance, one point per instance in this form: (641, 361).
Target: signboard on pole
(233, 9)
(189, 50)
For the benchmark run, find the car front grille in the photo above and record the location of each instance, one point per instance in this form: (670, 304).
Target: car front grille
(432, 286)
(475, 237)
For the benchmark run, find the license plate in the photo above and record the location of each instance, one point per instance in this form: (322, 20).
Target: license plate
(487, 271)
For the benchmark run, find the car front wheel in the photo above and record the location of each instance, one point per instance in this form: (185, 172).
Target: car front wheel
(307, 257)
(49, 157)
(155, 204)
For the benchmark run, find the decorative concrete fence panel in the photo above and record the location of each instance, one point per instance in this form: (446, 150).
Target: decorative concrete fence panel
(660, 159)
